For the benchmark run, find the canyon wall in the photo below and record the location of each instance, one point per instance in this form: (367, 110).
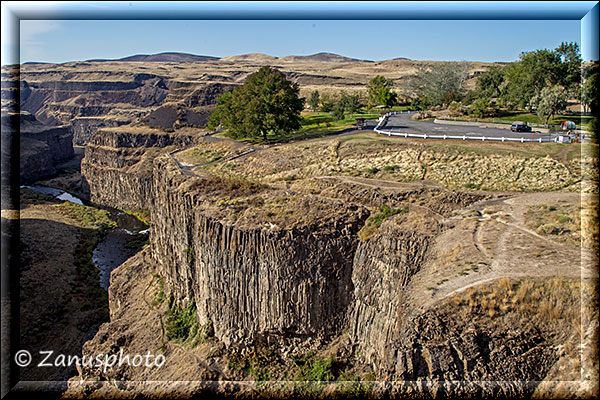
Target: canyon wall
(253, 282)
(383, 266)
(41, 147)
(118, 164)
(223, 243)
(89, 100)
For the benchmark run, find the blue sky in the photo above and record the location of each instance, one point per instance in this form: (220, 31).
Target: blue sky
(60, 41)
(46, 37)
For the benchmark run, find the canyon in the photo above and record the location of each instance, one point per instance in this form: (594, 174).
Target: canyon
(365, 255)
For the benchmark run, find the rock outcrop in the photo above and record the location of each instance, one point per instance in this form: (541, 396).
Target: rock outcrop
(383, 266)
(42, 147)
(251, 281)
(118, 164)
(269, 263)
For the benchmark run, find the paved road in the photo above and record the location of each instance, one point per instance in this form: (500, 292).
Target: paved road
(402, 123)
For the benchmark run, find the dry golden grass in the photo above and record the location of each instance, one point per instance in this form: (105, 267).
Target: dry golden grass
(541, 300)
(562, 222)
(456, 166)
(589, 224)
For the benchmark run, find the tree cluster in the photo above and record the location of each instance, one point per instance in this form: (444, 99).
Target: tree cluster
(541, 81)
(346, 103)
(439, 85)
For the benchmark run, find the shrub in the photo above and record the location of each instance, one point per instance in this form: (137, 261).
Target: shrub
(314, 369)
(257, 362)
(375, 220)
(181, 323)
(371, 171)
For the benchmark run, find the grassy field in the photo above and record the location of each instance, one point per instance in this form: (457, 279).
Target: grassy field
(323, 123)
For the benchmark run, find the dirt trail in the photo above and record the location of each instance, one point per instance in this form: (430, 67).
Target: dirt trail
(497, 244)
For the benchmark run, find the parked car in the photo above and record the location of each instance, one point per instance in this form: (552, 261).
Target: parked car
(520, 127)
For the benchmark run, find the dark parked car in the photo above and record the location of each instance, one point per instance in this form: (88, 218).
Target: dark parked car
(520, 127)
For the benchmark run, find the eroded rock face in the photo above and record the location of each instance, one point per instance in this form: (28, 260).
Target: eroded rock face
(90, 99)
(383, 266)
(438, 345)
(253, 282)
(268, 262)
(41, 147)
(118, 164)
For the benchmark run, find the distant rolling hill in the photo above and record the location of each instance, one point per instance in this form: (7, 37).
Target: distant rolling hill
(251, 57)
(163, 57)
(320, 57)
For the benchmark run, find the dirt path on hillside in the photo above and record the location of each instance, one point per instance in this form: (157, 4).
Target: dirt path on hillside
(495, 244)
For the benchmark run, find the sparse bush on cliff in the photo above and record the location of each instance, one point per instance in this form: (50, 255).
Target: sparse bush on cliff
(181, 323)
(314, 369)
(257, 362)
(159, 296)
(376, 219)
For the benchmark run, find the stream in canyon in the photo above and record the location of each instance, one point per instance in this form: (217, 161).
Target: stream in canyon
(118, 244)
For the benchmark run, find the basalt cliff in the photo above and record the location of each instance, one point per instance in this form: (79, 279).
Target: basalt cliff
(409, 287)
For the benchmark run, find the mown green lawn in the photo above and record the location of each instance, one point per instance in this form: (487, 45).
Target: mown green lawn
(580, 120)
(323, 123)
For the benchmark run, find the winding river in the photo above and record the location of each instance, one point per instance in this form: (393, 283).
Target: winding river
(114, 249)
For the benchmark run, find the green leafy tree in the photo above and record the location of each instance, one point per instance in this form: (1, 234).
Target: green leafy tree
(338, 111)
(551, 101)
(539, 69)
(420, 103)
(327, 103)
(480, 108)
(442, 84)
(569, 67)
(489, 83)
(589, 92)
(314, 100)
(530, 75)
(267, 103)
(380, 91)
(350, 102)
(589, 98)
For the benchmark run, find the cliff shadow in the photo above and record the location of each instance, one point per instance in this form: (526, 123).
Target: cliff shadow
(61, 302)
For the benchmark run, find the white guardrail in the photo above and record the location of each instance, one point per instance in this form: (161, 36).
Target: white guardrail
(463, 137)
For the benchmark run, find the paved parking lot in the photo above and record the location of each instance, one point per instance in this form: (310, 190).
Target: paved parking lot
(401, 123)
